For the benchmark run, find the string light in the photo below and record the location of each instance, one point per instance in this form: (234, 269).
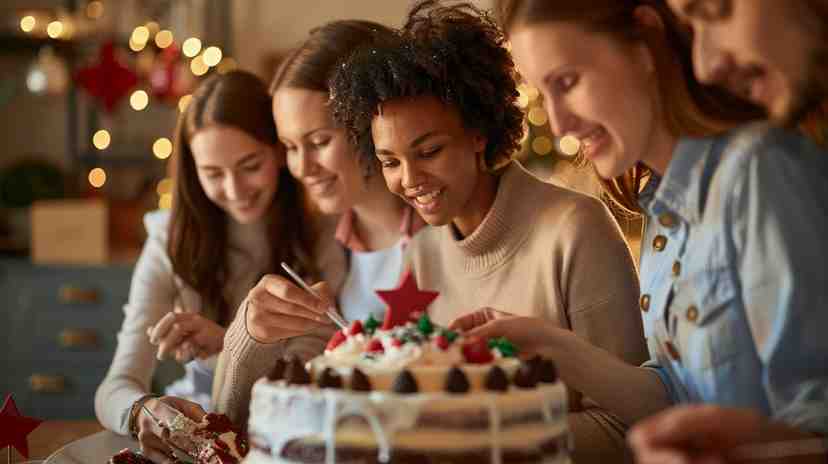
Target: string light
(522, 99)
(54, 29)
(211, 56)
(183, 102)
(135, 46)
(140, 35)
(97, 177)
(537, 116)
(164, 186)
(569, 145)
(198, 66)
(542, 145)
(101, 139)
(139, 100)
(95, 9)
(162, 148)
(28, 23)
(191, 47)
(165, 202)
(164, 39)
(227, 64)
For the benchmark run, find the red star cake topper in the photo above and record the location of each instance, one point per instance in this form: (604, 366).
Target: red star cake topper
(405, 302)
(15, 427)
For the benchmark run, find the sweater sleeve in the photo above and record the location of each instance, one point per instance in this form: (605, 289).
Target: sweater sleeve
(244, 360)
(151, 296)
(600, 287)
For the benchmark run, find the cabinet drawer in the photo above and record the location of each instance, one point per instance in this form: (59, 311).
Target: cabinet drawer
(54, 390)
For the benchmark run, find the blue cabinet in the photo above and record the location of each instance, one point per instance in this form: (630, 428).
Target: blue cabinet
(58, 330)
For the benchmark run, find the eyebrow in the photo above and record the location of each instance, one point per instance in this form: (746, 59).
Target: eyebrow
(414, 144)
(244, 160)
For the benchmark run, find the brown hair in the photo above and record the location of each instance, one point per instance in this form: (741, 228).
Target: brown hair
(314, 63)
(198, 227)
(690, 108)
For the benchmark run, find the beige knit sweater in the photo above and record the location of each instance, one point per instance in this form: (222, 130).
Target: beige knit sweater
(544, 251)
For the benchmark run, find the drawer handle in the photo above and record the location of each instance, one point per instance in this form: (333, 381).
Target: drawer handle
(78, 338)
(71, 294)
(42, 383)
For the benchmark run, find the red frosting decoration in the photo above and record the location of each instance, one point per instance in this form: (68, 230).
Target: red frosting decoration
(336, 340)
(476, 351)
(356, 328)
(15, 427)
(109, 80)
(396, 342)
(404, 302)
(442, 342)
(375, 346)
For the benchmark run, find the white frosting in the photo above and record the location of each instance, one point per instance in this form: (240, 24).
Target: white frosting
(183, 430)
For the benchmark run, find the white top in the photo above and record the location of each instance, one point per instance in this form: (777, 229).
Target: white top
(370, 271)
(153, 293)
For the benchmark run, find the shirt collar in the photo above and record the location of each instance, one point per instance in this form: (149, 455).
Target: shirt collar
(347, 236)
(683, 188)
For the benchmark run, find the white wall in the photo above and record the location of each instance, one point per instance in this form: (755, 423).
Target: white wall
(261, 27)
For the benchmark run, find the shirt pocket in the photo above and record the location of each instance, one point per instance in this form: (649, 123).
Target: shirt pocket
(710, 325)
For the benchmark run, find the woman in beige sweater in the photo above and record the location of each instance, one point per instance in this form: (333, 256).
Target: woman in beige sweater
(437, 109)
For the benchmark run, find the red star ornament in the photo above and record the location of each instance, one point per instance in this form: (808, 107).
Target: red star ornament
(108, 80)
(15, 427)
(405, 301)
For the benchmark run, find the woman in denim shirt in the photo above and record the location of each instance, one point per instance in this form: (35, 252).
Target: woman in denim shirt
(733, 288)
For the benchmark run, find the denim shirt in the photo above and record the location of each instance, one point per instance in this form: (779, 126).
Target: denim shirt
(734, 274)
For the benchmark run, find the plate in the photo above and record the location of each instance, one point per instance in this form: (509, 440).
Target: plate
(94, 449)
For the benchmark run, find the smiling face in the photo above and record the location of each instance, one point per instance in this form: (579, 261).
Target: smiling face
(318, 152)
(772, 52)
(431, 161)
(595, 88)
(238, 173)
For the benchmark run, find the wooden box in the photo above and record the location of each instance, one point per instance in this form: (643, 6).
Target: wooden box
(70, 231)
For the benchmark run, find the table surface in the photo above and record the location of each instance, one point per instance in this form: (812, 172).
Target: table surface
(52, 435)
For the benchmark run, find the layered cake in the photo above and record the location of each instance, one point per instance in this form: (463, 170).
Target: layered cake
(409, 391)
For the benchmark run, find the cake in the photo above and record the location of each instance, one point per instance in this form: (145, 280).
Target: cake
(409, 391)
(214, 440)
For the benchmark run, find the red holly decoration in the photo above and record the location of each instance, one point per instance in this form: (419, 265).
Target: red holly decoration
(356, 328)
(396, 342)
(336, 340)
(476, 351)
(109, 80)
(404, 302)
(441, 342)
(375, 346)
(15, 427)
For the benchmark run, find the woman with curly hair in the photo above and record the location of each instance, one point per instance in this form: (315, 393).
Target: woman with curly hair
(437, 108)
(733, 257)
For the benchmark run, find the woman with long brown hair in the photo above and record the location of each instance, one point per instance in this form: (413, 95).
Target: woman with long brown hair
(237, 214)
(731, 276)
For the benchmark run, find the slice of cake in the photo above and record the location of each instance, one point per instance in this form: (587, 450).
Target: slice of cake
(410, 391)
(127, 456)
(214, 440)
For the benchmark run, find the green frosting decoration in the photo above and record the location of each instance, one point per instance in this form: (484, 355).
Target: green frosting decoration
(370, 325)
(425, 325)
(504, 346)
(450, 335)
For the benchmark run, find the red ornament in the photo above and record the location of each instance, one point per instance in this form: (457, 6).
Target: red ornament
(404, 302)
(336, 340)
(14, 427)
(109, 80)
(356, 328)
(476, 351)
(375, 346)
(168, 80)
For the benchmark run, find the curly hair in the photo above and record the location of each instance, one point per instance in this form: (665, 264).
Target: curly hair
(454, 53)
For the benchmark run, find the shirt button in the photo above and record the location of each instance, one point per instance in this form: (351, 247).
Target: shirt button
(659, 242)
(692, 314)
(645, 302)
(676, 269)
(672, 351)
(667, 220)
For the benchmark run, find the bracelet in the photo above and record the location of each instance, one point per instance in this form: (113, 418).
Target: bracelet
(134, 410)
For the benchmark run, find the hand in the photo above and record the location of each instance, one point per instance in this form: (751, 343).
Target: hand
(527, 333)
(153, 437)
(278, 309)
(186, 335)
(699, 434)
